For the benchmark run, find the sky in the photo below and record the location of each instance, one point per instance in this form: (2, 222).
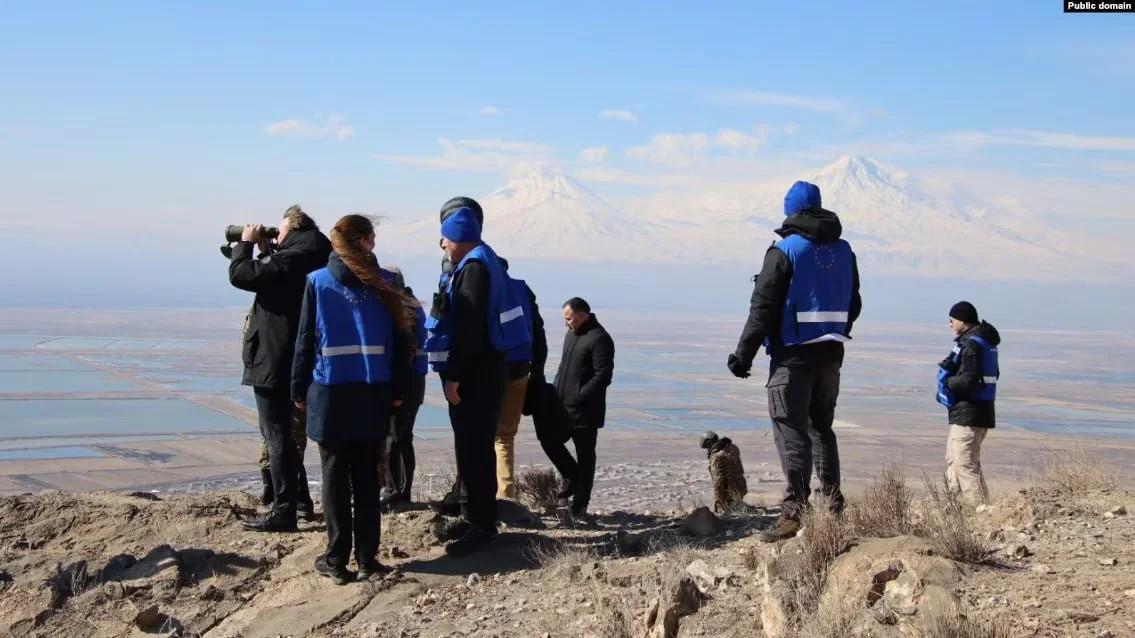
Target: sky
(140, 123)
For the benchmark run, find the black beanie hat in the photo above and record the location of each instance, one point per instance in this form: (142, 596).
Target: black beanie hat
(964, 311)
(463, 202)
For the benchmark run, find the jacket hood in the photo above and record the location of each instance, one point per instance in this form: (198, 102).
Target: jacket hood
(816, 224)
(312, 243)
(342, 274)
(986, 331)
(721, 445)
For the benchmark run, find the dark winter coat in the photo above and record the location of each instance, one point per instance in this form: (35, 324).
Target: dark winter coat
(586, 369)
(535, 373)
(771, 288)
(278, 280)
(471, 352)
(346, 411)
(978, 414)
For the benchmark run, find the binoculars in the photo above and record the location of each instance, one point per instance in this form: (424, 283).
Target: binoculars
(233, 233)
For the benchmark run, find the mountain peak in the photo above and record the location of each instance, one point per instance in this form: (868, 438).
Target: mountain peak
(859, 171)
(537, 181)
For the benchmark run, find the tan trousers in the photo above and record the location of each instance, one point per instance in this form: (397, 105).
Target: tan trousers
(512, 403)
(963, 462)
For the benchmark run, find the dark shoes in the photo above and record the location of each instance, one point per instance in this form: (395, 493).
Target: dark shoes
(270, 522)
(784, 529)
(445, 530)
(338, 574)
(446, 507)
(567, 490)
(371, 568)
(471, 541)
(305, 509)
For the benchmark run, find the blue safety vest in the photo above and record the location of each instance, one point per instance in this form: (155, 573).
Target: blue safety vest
(990, 373)
(354, 334)
(819, 295)
(507, 323)
(523, 352)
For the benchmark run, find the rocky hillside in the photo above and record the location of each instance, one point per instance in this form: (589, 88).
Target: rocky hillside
(1053, 560)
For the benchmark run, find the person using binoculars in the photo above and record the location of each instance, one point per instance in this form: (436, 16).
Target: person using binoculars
(278, 278)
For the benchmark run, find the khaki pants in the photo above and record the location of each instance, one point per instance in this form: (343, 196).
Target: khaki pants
(963, 462)
(512, 403)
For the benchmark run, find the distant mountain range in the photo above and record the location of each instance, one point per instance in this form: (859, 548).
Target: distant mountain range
(895, 222)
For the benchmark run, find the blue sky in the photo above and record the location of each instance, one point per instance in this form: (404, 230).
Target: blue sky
(173, 112)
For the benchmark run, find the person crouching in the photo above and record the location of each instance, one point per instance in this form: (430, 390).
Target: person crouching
(352, 366)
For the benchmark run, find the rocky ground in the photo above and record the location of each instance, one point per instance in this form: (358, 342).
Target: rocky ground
(1053, 560)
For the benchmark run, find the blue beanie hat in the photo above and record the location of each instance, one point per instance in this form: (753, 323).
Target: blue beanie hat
(802, 195)
(461, 226)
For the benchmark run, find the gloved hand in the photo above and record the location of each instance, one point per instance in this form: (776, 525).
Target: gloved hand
(738, 368)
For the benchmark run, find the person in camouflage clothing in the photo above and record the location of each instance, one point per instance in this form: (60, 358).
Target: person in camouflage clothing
(726, 472)
(305, 508)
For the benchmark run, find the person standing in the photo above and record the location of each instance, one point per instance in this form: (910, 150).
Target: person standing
(587, 367)
(967, 387)
(525, 363)
(804, 302)
(278, 279)
(401, 462)
(479, 319)
(351, 367)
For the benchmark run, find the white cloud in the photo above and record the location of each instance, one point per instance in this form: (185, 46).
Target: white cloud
(618, 114)
(749, 97)
(480, 155)
(490, 110)
(732, 139)
(687, 149)
(506, 146)
(1045, 139)
(593, 154)
(333, 127)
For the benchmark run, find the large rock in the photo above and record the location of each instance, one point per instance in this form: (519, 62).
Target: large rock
(665, 613)
(707, 578)
(703, 523)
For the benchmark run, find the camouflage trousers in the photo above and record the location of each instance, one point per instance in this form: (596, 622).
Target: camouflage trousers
(299, 437)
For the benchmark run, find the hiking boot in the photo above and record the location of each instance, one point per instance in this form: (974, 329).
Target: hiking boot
(268, 494)
(784, 529)
(372, 567)
(446, 507)
(567, 490)
(473, 540)
(338, 574)
(445, 530)
(270, 522)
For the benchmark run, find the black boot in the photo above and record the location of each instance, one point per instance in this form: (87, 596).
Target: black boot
(305, 508)
(269, 493)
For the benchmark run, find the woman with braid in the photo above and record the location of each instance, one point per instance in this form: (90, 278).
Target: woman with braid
(351, 368)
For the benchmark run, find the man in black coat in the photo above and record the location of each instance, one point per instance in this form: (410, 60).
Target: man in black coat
(278, 279)
(587, 366)
(804, 302)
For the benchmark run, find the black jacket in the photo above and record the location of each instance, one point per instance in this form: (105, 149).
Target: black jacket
(771, 289)
(471, 353)
(586, 369)
(346, 411)
(968, 377)
(278, 280)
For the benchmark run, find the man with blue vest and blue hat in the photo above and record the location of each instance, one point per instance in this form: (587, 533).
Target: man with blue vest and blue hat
(478, 318)
(804, 302)
(967, 387)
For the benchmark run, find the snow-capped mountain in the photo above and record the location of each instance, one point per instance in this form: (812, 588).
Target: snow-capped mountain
(895, 223)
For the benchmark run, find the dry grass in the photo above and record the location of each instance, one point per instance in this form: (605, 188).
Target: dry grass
(953, 625)
(822, 538)
(885, 509)
(538, 488)
(948, 523)
(1074, 473)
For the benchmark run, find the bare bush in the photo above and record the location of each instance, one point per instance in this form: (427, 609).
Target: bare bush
(885, 509)
(954, 625)
(948, 524)
(823, 537)
(538, 488)
(1073, 473)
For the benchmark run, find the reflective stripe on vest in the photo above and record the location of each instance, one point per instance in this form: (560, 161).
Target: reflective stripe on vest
(338, 351)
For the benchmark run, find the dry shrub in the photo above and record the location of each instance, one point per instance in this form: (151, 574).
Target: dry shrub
(948, 523)
(885, 509)
(559, 557)
(1074, 473)
(953, 625)
(835, 617)
(823, 537)
(615, 617)
(538, 488)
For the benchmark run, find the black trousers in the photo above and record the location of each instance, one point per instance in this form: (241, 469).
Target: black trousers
(580, 470)
(275, 409)
(802, 400)
(474, 422)
(401, 462)
(350, 473)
